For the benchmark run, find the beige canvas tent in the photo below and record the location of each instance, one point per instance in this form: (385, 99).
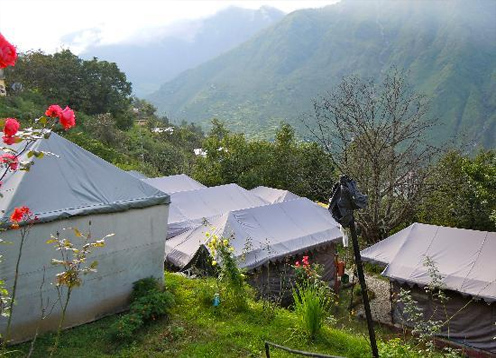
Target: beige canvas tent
(465, 260)
(73, 189)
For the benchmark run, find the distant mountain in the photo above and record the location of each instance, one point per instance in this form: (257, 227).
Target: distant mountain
(181, 46)
(448, 49)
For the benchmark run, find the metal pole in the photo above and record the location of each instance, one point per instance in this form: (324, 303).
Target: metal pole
(363, 285)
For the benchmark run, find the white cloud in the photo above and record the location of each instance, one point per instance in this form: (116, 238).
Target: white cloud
(44, 24)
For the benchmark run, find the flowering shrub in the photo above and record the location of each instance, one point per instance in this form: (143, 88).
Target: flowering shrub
(230, 275)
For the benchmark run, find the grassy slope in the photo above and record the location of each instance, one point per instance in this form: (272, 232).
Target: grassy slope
(194, 330)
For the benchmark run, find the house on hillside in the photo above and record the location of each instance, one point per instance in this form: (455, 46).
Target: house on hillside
(267, 240)
(465, 261)
(72, 190)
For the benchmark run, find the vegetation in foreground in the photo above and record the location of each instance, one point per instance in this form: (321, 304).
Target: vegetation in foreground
(194, 328)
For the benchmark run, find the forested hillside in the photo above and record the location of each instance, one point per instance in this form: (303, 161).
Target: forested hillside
(447, 48)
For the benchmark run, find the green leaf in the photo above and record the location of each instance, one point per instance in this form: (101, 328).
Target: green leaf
(51, 241)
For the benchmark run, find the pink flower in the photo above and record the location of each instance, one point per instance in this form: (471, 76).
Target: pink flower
(67, 118)
(10, 160)
(8, 53)
(19, 214)
(54, 111)
(11, 127)
(297, 264)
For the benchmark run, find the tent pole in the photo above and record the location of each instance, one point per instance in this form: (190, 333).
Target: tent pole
(363, 285)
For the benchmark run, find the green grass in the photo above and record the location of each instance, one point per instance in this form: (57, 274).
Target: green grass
(195, 329)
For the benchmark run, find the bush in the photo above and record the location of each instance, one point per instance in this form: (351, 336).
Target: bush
(148, 302)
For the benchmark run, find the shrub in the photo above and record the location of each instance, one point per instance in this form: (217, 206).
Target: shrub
(149, 301)
(310, 306)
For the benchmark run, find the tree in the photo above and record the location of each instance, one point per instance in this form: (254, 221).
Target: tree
(93, 87)
(286, 163)
(463, 192)
(376, 133)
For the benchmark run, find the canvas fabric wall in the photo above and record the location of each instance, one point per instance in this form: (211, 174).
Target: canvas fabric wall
(473, 326)
(135, 252)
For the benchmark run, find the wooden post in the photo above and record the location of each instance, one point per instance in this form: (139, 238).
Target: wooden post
(363, 285)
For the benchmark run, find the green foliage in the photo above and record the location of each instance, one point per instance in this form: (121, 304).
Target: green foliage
(463, 192)
(193, 330)
(286, 163)
(93, 87)
(148, 303)
(310, 305)
(395, 348)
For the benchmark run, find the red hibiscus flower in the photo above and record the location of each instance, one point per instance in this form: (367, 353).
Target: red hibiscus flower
(19, 214)
(67, 118)
(10, 160)
(54, 111)
(8, 53)
(11, 127)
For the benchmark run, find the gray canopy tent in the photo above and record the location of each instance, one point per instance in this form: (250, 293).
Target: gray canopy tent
(465, 260)
(266, 241)
(272, 195)
(70, 190)
(190, 208)
(174, 183)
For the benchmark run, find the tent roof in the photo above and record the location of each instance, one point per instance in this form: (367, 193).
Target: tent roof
(261, 234)
(174, 183)
(384, 251)
(189, 208)
(464, 258)
(272, 195)
(137, 174)
(74, 182)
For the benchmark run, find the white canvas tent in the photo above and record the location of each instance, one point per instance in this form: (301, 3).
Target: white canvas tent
(73, 189)
(465, 260)
(272, 195)
(190, 208)
(263, 236)
(174, 183)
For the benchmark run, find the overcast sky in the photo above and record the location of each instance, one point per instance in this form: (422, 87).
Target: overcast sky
(51, 24)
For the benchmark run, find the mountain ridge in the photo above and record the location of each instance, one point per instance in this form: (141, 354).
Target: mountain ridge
(446, 47)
